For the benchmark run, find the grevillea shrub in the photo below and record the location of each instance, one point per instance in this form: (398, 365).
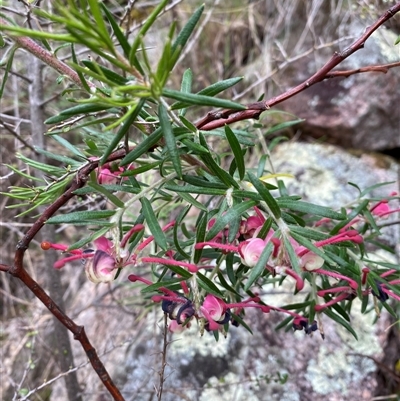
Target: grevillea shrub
(233, 234)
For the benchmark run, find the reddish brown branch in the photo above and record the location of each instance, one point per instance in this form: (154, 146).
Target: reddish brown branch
(384, 68)
(17, 270)
(219, 118)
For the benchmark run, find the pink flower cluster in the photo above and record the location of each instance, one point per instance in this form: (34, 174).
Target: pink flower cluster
(102, 264)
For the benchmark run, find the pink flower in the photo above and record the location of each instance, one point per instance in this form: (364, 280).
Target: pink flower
(101, 268)
(250, 251)
(310, 261)
(249, 226)
(215, 311)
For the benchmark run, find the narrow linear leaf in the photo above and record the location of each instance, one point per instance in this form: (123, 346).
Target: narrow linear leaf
(133, 112)
(109, 74)
(117, 31)
(80, 216)
(76, 110)
(202, 182)
(187, 30)
(201, 100)
(101, 26)
(110, 196)
(200, 236)
(68, 145)
(258, 270)
(172, 284)
(237, 151)
(233, 213)
(341, 321)
(265, 194)
(143, 147)
(211, 90)
(205, 283)
(309, 245)
(189, 198)
(294, 259)
(63, 159)
(283, 125)
(97, 234)
(7, 70)
(80, 75)
(311, 208)
(195, 190)
(152, 222)
(169, 137)
(146, 26)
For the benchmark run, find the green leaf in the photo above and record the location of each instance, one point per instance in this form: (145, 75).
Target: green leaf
(201, 100)
(294, 259)
(189, 198)
(117, 31)
(310, 208)
(211, 90)
(143, 30)
(202, 182)
(132, 114)
(233, 213)
(187, 79)
(187, 30)
(167, 283)
(63, 159)
(141, 169)
(68, 145)
(152, 222)
(205, 283)
(265, 194)
(190, 126)
(77, 110)
(186, 87)
(77, 217)
(170, 140)
(237, 151)
(340, 320)
(283, 125)
(259, 269)
(143, 147)
(110, 196)
(109, 74)
(225, 177)
(309, 245)
(81, 243)
(195, 190)
(80, 75)
(7, 70)
(101, 26)
(200, 236)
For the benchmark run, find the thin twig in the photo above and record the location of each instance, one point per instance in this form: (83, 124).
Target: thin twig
(164, 358)
(220, 118)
